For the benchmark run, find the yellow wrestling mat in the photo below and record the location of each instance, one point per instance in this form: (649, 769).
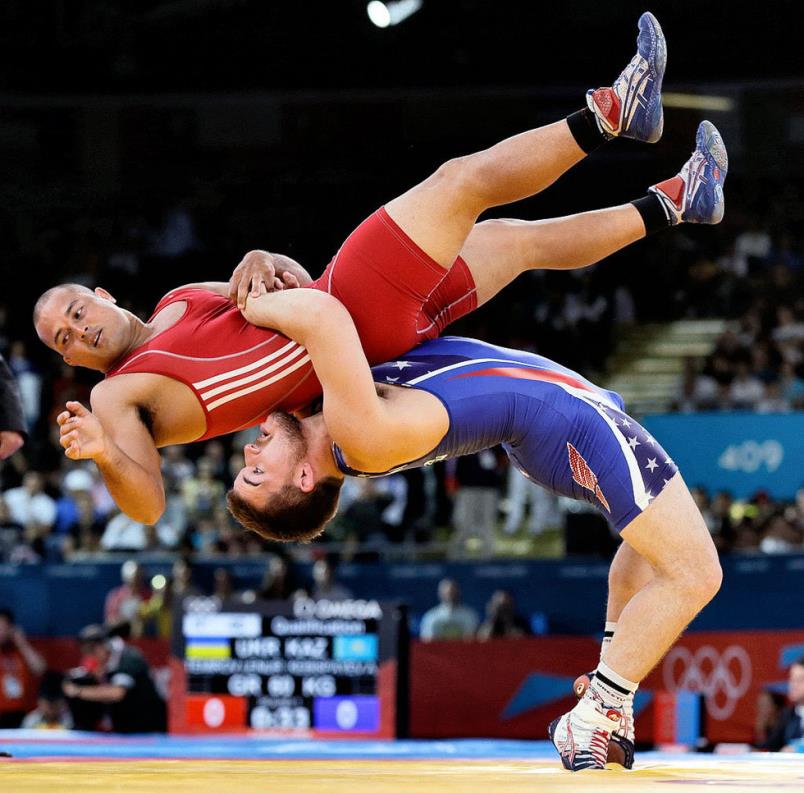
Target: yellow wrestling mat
(693, 773)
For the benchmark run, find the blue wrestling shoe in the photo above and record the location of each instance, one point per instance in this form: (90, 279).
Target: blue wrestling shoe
(696, 194)
(632, 106)
(582, 736)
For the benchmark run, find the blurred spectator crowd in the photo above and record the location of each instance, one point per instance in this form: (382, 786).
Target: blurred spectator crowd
(758, 361)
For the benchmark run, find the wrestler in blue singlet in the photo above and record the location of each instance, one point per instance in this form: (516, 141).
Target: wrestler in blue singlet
(560, 430)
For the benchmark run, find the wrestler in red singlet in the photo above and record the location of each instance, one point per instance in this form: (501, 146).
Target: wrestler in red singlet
(397, 295)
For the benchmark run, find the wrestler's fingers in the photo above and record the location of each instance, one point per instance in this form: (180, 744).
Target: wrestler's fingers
(291, 282)
(260, 282)
(65, 428)
(77, 409)
(64, 416)
(243, 289)
(68, 438)
(278, 285)
(256, 282)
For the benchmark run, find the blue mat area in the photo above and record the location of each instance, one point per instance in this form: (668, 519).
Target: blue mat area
(36, 744)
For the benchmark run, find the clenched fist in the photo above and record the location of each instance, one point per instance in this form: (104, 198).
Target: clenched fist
(81, 434)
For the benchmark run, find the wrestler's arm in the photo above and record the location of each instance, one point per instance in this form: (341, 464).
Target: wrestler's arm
(373, 434)
(114, 436)
(274, 270)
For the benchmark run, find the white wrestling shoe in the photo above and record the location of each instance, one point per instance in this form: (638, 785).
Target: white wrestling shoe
(621, 746)
(582, 736)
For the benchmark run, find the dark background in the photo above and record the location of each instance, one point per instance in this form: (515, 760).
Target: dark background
(113, 46)
(283, 124)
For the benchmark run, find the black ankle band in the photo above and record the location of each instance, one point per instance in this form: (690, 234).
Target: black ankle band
(611, 684)
(584, 129)
(653, 213)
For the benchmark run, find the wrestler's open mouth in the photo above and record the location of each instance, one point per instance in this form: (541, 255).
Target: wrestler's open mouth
(97, 338)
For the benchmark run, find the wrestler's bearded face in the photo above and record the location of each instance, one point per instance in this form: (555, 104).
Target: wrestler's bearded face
(271, 458)
(278, 494)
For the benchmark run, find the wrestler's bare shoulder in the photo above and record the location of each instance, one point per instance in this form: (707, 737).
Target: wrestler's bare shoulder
(168, 316)
(173, 312)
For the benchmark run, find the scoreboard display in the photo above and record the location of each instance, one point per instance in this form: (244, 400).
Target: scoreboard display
(306, 667)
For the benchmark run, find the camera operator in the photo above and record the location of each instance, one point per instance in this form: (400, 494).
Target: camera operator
(119, 680)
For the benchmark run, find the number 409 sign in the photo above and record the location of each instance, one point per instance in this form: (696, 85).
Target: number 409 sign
(750, 456)
(740, 452)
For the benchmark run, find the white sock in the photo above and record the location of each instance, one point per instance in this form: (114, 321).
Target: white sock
(608, 635)
(612, 689)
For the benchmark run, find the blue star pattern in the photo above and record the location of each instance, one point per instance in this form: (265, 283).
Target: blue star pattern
(412, 366)
(654, 463)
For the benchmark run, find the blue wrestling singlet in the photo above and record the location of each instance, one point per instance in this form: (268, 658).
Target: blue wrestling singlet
(563, 432)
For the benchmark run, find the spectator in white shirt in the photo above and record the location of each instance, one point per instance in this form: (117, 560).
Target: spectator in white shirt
(124, 534)
(450, 619)
(746, 390)
(29, 505)
(773, 401)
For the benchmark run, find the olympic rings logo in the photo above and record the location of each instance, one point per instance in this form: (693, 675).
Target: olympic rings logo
(722, 679)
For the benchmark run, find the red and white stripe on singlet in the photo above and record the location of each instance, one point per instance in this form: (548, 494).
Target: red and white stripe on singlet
(238, 372)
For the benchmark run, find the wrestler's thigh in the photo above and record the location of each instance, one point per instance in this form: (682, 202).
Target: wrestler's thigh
(439, 213)
(672, 535)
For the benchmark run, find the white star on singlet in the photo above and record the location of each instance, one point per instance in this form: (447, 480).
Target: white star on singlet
(626, 423)
(633, 442)
(402, 364)
(652, 465)
(389, 379)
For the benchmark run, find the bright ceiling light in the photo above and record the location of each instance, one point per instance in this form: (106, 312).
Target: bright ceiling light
(698, 101)
(392, 12)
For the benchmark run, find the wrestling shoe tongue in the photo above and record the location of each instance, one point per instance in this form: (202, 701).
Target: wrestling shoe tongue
(598, 715)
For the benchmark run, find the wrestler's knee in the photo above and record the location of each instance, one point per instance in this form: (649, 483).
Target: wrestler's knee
(711, 578)
(628, 571)
(462, 177)
(701, 576)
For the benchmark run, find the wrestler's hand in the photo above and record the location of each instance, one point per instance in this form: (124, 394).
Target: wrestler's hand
(9, 443)
(256, 273)
(81, 434)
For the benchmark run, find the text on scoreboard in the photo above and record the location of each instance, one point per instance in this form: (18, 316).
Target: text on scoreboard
(303, 666)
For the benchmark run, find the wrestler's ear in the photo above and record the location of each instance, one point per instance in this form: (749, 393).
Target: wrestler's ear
(104, 295)
(305, 478)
